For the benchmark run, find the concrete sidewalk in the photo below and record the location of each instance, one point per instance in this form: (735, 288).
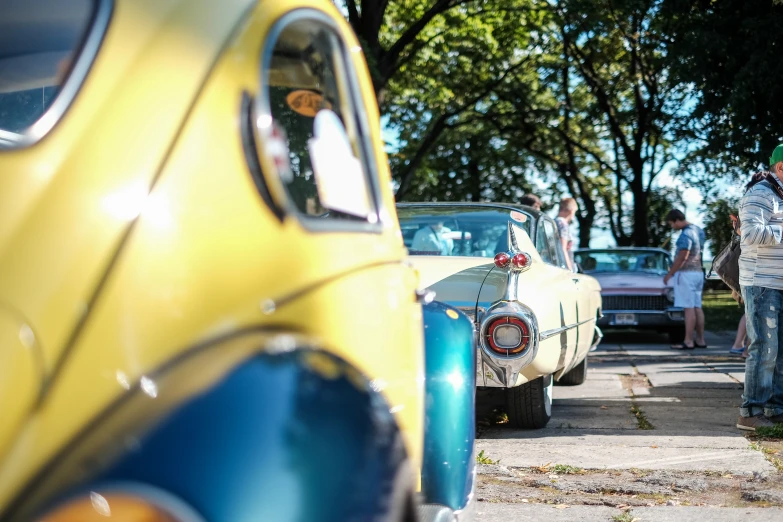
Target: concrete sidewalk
(645, 409)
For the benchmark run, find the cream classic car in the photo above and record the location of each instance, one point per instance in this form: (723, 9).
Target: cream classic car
(504, 266)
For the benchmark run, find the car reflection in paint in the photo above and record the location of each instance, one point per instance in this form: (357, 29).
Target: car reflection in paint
(504, 266)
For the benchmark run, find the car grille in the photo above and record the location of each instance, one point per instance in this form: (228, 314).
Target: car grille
(635, 302)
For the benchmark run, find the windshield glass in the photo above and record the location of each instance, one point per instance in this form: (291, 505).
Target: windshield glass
(39, 40)
(623, 261)
(458, 231)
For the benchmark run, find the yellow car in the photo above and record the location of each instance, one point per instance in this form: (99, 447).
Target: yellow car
(205, 308)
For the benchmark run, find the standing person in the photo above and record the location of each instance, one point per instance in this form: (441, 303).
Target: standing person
(531, 200)
(565, 216)
(689, 280)
(761, 282)
(740, 346)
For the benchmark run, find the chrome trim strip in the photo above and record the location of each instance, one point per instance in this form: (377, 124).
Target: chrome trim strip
(557, 331)
(70, 88)
(597, 339)
(167, 502)
(640, 312)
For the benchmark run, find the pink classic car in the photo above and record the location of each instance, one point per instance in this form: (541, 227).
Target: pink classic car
(632, 289)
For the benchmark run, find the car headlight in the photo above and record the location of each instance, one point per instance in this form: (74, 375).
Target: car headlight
(670, 294)
(145, 504)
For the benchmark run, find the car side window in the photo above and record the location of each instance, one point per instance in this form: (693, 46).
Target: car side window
(313, 127)
(542, 244)
(556, 246)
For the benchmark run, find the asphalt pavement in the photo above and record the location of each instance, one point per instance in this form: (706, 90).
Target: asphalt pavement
(650, 436)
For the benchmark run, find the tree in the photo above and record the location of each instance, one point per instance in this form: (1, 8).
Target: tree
(729, 52)
(717, 223)
(395, 32)
(488, 95)
(619, 54)
(601, 113)
(438, 101)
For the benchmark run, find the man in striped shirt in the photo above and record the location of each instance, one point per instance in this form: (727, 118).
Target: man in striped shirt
(761, 280)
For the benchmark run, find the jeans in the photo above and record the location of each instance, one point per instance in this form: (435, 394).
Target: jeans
(764, 365)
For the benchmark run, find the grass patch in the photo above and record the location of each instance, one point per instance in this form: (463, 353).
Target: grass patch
(484, 459)
(659, 498)
(624, 517)
(721, 312)
(641, 421)
(770, 432)
(565, 469)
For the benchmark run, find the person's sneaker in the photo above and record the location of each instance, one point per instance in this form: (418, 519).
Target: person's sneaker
(737, 351)
(751, 423)
(777, 419)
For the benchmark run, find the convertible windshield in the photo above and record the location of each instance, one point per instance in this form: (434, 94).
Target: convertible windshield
(623, 261)
(458, 231)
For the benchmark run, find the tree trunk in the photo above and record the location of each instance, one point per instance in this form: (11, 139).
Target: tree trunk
(640, 235)
(474, 171)
(586, 221)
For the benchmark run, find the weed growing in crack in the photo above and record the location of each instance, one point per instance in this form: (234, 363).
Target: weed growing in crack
(641, 421)
(772, 456)
(484, 459)
(624, 517)
(565, 469)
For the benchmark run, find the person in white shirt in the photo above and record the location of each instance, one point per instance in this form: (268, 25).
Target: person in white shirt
(565, 216)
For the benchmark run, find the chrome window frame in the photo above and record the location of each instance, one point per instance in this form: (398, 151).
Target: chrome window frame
(557, 246)
(86, 54)
(379, 217)
(541, 232)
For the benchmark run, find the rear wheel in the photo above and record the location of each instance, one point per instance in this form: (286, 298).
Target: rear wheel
(676, 334)
(576, 376)
(530, 406)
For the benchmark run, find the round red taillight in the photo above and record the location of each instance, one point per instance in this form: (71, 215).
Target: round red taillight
(508, 335)
(520, 260)
(502, 259)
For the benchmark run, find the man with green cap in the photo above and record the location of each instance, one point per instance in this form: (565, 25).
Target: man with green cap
(761, 281)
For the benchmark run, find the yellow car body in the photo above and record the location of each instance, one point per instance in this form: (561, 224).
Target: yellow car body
(132, 232)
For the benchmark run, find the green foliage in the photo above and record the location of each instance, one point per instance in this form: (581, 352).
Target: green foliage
(721, 312)
(625, 516)
(565, 469)
(729, 52)
(661, 201)
(641, 420)
(717, 224)
(494, 98)
(484, 459)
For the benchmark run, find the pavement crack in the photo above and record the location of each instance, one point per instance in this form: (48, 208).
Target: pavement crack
(641, 421)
